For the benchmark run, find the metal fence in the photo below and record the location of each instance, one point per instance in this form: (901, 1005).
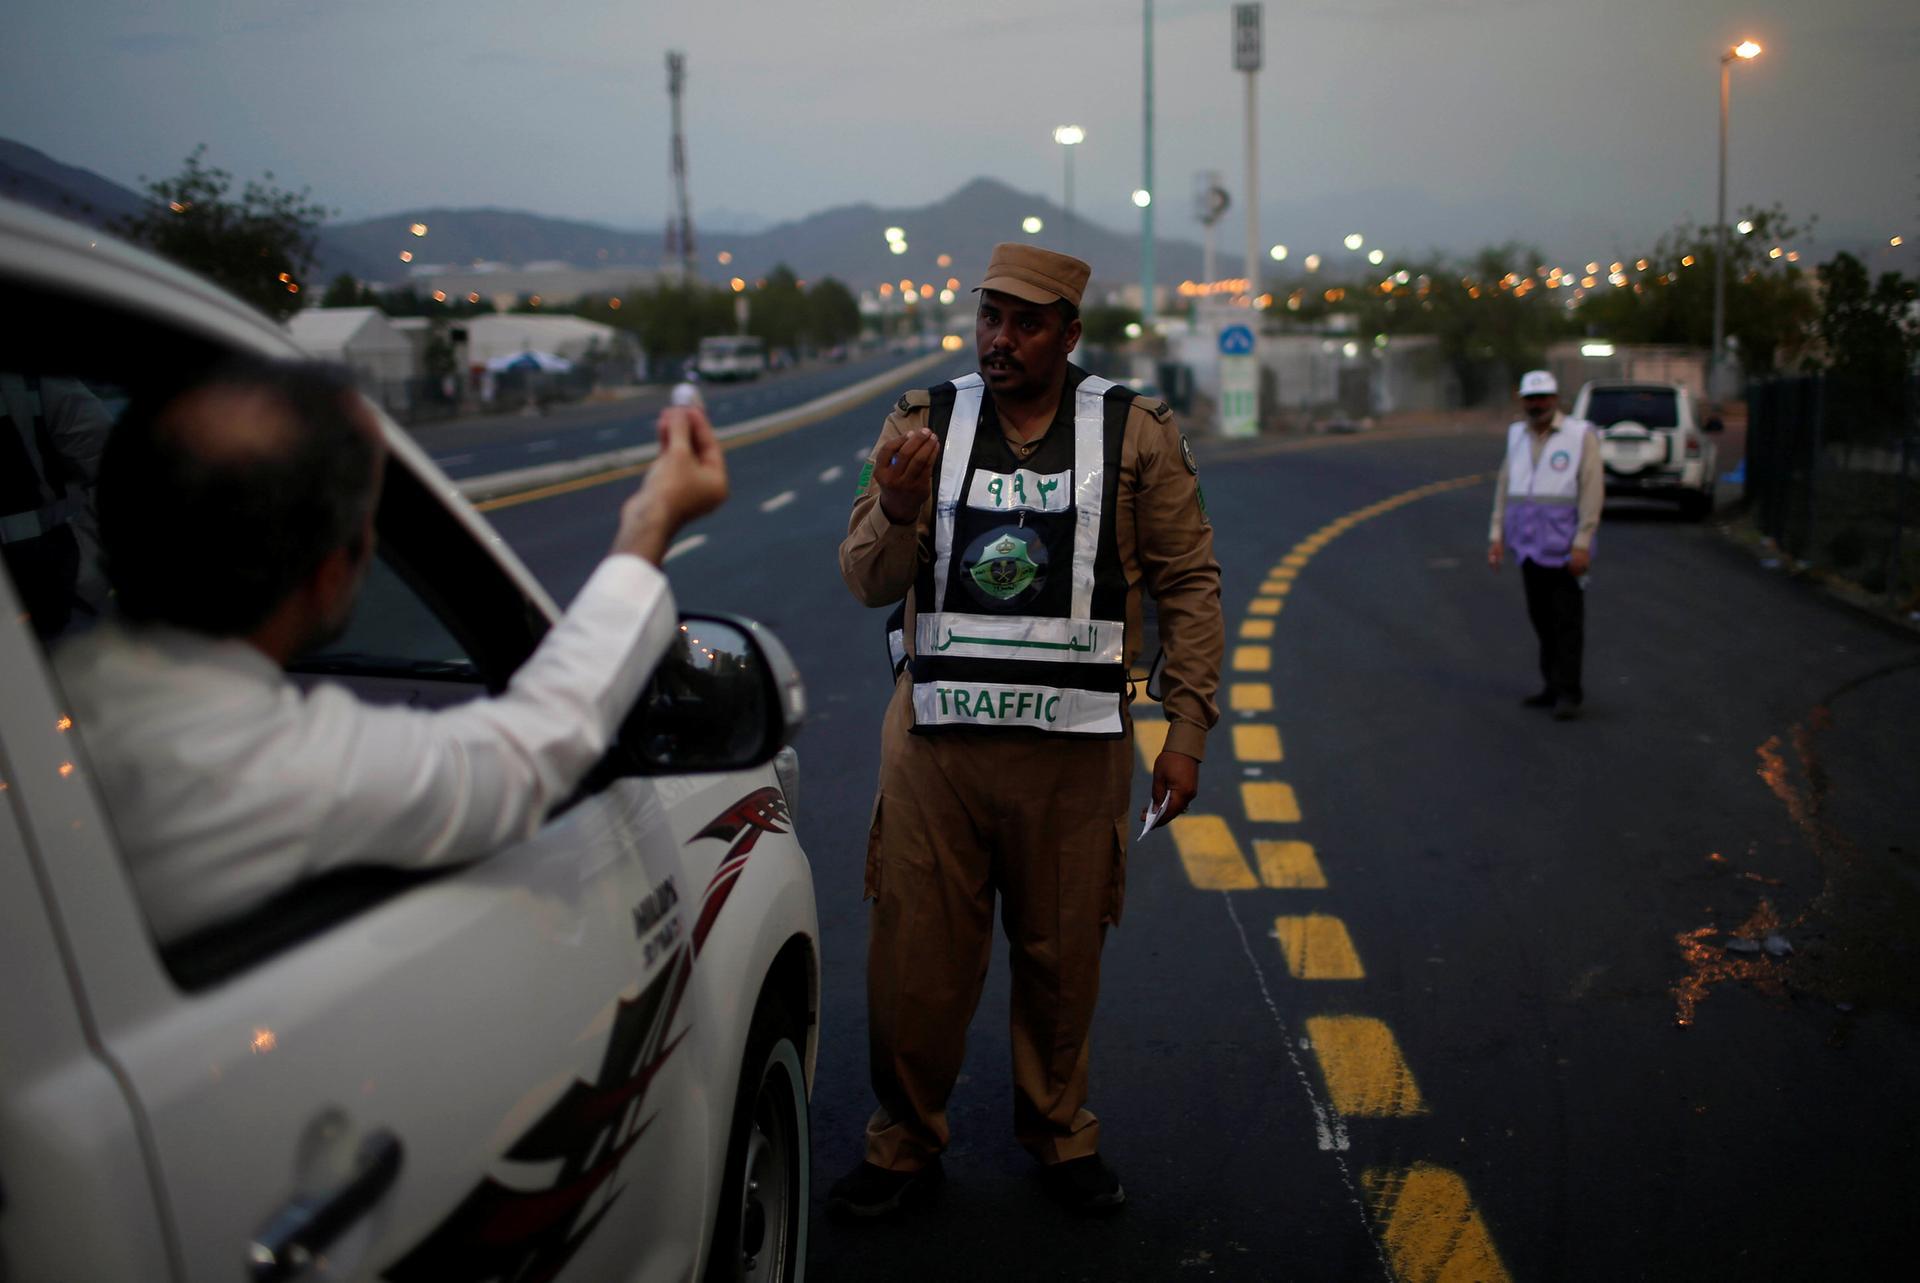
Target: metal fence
(1833, 476)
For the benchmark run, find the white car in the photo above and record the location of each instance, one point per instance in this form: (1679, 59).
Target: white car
(1652, 441)
(585, 1057)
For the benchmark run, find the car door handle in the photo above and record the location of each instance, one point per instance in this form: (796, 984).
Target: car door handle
(286, 1245)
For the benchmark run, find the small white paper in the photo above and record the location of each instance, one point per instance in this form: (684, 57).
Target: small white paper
(1154, 812)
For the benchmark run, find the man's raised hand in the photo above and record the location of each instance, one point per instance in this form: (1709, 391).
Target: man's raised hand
(687, 480)
(905, 474)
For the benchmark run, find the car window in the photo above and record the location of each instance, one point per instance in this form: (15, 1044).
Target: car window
(440, 620)
(1649, 407)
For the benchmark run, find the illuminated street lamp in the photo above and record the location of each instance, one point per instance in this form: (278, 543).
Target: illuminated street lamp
(1745, 51)
(1069, 137)
(1142, 197)
(1031, 225)
(1355, 240)
(1376, 257)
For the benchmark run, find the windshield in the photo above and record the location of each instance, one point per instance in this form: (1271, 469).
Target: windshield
(1649, 407)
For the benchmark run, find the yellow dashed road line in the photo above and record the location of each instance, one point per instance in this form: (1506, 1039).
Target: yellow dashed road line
(1317, 947)
(1268, 802)
(1253, 742)
(1264, 606)
(1432, 1231)
(1212, 854)
(1290, 865)
(1250, 697)
(1149, 736)
(1256, 629)
(1252, 659)
(1366, 1075)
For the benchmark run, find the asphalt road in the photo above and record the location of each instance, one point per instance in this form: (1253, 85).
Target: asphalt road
(476, 446)
(1432, 986)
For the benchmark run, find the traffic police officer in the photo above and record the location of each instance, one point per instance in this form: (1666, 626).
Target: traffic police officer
(1020, 512)
(1546, 509)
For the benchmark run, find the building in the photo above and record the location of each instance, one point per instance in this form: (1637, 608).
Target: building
(362, 339)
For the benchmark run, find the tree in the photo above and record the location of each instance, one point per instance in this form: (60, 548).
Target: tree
(778, 309)
(345, 291)
(1104, 326)
(833, 314)
(1869, 329)
(259, 246)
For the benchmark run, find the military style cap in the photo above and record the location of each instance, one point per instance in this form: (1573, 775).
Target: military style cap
(1034, 274)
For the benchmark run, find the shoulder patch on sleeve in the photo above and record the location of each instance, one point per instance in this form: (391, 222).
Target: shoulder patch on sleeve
(1157, 408)
(915, 399)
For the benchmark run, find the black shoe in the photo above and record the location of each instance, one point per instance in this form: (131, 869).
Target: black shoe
(869, 1191)
(1084, 1184)
(1565, 710)
(1542, 700)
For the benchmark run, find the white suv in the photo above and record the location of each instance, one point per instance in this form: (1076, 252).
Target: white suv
(1651, 441)
(585, 1057)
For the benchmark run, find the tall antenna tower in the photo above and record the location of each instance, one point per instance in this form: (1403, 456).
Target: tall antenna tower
(680, 223)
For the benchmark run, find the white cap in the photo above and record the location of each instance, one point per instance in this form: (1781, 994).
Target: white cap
(1538, 383)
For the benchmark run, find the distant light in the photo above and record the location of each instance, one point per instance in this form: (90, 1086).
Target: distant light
(1775, 252)
(947, 296)
(723, 257)
(1687, 261)
(1402, 276)
(293, 289)
(1744, 226)
(1746, 49)
(1596, 349)
(1640, 265)
(1377, 257)
(1592, 268)
(1355, 240)
(1617, 279)
(474, 297)
(264, 1041)
(1133, 329)
(895, 234)
(898, 247)
(1617, 267)
(1142, 197)
(886, 289)
(1350, 348)
(439, 296)
(738, 284)
(1588, 282)
(945, 260)
(906, 286)
(1069, 135)
(534, 301)
(1031, 224)
(952, 343)
(1278, 253)
(926, 291)
(406, 256)
(909, 299)
(1793, 256)
(1313, 262)
(953, 282)
(418, 229)
(1897, 241)
(614, 303)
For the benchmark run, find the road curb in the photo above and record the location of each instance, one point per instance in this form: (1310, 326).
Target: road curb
(501, 485)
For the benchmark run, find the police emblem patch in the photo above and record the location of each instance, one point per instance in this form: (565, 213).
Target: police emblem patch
(1004, 564)
(1560, 461)
(1186, 455)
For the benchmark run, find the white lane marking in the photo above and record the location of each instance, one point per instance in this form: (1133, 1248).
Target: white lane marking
(534, 447)
(778, 502)
(831, 474)
(859, 456)
(449, 460)
(685, 545)
(1330, 1131)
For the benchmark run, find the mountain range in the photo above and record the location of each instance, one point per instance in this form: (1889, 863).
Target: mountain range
(847, 242)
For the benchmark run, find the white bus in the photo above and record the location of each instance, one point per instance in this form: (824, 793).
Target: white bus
(731, 356)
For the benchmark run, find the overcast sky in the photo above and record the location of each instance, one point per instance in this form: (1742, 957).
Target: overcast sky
(1446, 122)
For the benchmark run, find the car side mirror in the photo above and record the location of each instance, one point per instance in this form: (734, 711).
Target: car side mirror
(1713, 425)
(725, 697)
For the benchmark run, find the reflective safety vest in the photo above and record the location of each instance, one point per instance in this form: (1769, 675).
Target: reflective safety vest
(1021, 614)
(1543, 499)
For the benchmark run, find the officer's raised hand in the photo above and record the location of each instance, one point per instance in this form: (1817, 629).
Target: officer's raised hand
(905, 474)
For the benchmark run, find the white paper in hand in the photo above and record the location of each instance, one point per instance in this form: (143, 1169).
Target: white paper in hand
(1154, 812)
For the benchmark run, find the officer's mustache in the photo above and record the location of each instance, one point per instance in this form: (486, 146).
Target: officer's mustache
(995, 358)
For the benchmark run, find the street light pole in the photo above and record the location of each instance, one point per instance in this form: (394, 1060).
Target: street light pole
(1069, 136)
(1146, 175)
(1716, 362)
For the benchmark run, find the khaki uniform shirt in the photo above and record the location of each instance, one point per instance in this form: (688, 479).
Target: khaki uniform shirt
(1592, 494)
(1164, 537)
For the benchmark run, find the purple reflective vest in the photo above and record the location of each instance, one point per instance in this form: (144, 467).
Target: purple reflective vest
(1543, 500)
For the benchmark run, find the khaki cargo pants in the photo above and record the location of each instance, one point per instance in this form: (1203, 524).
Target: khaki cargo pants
(1040, 820)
